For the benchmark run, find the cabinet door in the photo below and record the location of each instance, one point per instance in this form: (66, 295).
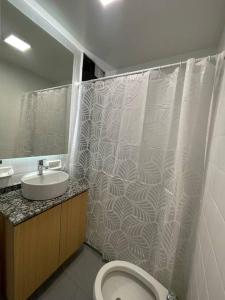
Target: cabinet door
(33, 253)
(73, 225)
(2, 253)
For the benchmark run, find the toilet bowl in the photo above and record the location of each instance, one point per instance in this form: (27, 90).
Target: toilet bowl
(120, 280)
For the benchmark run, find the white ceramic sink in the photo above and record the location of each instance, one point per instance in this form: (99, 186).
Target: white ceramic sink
(50, 185)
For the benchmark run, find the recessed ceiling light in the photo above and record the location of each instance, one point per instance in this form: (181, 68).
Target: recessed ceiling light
(17, 43)
(106, 2)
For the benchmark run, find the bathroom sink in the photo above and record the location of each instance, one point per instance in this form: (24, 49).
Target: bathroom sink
(50, 185)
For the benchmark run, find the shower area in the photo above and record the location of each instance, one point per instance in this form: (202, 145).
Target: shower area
(143, 141)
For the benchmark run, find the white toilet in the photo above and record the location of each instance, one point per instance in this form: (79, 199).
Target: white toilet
(120, 280)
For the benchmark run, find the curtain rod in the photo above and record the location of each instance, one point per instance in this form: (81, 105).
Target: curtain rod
(51, 88)
(143, 70)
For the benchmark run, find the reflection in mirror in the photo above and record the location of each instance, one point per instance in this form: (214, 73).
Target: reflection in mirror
(35, 85)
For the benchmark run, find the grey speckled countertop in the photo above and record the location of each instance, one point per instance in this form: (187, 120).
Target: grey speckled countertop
(18, 209)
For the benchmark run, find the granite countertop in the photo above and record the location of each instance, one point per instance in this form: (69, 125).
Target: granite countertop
(18, 209)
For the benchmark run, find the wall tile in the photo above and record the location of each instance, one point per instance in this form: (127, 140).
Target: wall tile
(208, 269)
(216, 227)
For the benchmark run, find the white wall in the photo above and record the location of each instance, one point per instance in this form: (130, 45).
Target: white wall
(161, 62)
(14, 81)
(207, 281)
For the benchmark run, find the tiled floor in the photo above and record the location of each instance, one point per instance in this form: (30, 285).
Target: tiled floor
(75, 279)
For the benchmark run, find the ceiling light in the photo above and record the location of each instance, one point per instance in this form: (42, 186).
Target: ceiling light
(17, 43)
(106, 2)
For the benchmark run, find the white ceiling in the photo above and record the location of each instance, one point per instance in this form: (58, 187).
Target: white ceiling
(46, 58)
(131, 32)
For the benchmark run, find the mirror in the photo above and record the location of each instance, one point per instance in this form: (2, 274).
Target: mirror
(35, 84)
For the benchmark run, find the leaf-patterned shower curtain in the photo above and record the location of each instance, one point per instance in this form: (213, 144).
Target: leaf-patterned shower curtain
(142, 142)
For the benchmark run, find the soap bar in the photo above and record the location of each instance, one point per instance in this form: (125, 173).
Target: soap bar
(6, 172)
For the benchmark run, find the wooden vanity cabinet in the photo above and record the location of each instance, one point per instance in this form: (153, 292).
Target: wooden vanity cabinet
(2, 251)
(36, 248)
(73, 224)
(32, 253)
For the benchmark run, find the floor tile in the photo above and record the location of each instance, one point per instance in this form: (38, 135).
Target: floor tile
(63, 288)
(83, 270)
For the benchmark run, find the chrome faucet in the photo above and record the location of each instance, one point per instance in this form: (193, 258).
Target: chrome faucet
(41, 166)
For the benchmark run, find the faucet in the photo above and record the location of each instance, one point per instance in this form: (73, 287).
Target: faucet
(41, 166)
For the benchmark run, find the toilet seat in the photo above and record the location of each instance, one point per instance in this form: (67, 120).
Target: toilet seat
(124, 280)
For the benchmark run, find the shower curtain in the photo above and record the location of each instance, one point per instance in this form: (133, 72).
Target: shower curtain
(51, 117)
(142, 142)
(43, 122)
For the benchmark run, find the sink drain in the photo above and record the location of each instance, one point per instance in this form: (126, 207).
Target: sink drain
(118, 299)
